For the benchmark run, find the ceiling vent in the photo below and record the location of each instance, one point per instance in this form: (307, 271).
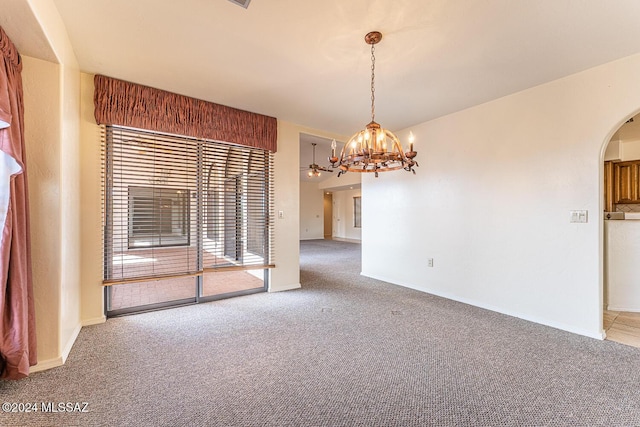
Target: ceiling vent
(243, 3)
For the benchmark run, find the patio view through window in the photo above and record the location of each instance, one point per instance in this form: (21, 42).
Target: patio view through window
(158, 217)
(185, 220)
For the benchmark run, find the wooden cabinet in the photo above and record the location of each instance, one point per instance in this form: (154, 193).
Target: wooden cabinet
(626, 182)
(608, 187)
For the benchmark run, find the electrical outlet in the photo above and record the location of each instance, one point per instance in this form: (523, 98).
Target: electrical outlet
(281, 214)
(430, 262)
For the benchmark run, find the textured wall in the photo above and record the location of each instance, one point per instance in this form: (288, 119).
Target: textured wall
(311, 211)
(92, 306)
(41, 81)
(491, 200)
(70, 214)
(52, 102)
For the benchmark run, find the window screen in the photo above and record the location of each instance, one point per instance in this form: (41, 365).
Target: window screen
(178, 206)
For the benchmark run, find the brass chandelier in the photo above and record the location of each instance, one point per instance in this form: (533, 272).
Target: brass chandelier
(373, 149)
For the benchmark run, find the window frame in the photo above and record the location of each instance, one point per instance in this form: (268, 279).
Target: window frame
(157, 198)
(209, 165)
(357, 212)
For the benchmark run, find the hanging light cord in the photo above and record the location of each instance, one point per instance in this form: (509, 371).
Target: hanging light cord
(373, 89)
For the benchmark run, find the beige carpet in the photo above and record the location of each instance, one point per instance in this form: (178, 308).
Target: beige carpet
(343, 351)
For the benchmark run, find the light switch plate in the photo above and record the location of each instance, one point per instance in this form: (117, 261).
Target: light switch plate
(579, 216)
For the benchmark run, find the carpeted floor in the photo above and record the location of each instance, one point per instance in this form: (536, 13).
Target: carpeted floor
(343, 351)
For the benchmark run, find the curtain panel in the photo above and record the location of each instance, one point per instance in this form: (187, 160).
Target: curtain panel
(123, 103)
(17, 314)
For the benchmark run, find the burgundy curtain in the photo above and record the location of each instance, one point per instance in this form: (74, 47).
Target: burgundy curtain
(17, 314)
(129, 104)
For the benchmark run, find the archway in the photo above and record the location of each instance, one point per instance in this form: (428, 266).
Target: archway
(620, 179)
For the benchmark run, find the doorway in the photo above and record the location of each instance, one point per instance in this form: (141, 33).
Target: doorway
(328, 215)
(621, 232)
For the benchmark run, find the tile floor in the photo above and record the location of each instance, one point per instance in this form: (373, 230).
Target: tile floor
(143, 293)
(622, 327)
(165, 260)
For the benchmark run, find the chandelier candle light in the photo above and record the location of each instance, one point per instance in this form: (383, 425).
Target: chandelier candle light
(373, 149)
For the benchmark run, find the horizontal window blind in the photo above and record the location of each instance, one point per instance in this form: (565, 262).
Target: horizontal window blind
(177, 206)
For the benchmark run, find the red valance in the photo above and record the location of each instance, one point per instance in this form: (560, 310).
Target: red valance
(129, 104)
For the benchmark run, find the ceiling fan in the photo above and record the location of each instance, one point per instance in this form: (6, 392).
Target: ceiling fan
(314, 169)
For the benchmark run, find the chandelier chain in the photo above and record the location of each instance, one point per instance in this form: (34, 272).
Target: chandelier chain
(373, 89)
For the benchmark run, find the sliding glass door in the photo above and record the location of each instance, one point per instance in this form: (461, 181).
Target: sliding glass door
(185, 220)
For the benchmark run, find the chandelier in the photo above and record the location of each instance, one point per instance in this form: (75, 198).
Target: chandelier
(373, 149)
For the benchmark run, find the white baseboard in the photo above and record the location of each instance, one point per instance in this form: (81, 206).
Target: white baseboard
(558, 325)
(285, 287)
(346, 239)
(94, 321)
(70, 342)
(619, 308)
(46, 364)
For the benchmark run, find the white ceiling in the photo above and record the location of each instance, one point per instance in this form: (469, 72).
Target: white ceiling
(22, 27)
(307, 62)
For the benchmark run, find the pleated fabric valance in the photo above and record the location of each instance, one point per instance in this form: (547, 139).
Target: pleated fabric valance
(128, 104)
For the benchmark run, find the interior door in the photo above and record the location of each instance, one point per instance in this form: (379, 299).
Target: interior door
(328, 215)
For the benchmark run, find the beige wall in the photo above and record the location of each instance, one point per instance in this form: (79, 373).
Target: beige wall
(311, 211)
(70, 214)
(286, 275)
(491, 201)
(91, 202)
(51, 95)
(52, 102)
(42, 128)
